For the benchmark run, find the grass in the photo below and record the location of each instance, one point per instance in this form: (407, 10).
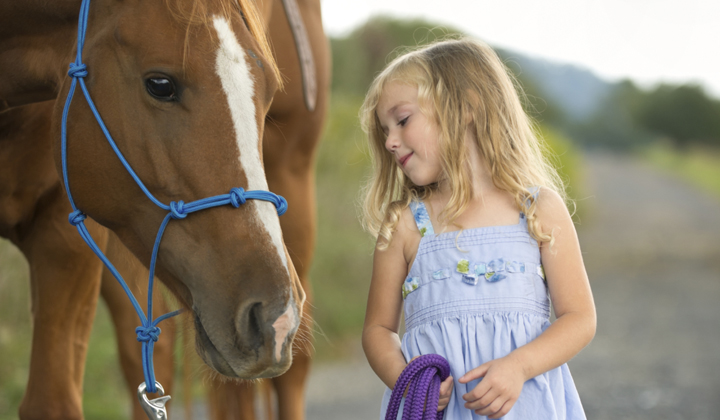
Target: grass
(340, 276)
(699, 166)
(15, 331)
(343, 258)
(107, 397)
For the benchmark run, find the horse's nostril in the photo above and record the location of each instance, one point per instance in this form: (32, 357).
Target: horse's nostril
(255, 317)
(250, 327)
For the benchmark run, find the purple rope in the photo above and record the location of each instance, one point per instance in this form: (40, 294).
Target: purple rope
(424, 375)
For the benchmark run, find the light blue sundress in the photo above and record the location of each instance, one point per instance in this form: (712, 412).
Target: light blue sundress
(476, 297)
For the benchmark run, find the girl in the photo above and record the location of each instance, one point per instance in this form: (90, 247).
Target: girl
(472, 234)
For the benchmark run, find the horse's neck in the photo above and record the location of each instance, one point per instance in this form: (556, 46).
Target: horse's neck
(36, 38)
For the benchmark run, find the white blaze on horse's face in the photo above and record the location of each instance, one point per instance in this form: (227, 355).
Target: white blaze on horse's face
(237, 82)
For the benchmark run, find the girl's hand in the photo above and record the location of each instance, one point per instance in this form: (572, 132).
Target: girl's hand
(501, 384)
(446, 388)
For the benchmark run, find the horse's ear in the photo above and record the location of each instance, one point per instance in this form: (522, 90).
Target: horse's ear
(242, 15)
(239, 8)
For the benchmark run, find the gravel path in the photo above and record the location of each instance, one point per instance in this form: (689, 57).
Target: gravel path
(652, 249)
(651, 246)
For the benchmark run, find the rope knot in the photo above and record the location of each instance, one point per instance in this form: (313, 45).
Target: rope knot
(77, 70)
(177, 209)
(147, 333)
(237, 197)
(76, 217)
(281, 205)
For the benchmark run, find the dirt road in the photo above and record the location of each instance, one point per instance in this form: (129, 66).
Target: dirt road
(652, 249)
(651, 246)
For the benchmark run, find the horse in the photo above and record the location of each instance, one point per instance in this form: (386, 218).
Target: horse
(159, 76)
(295, 118)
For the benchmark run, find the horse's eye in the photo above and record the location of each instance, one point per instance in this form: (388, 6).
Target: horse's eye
(161, 88)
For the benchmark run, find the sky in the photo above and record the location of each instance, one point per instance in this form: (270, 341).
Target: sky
(648, 41)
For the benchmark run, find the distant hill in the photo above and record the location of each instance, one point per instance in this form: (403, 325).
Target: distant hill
(561, 93)
(576, 91)
(573, 100)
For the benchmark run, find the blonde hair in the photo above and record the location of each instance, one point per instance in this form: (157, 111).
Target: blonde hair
(456, 79)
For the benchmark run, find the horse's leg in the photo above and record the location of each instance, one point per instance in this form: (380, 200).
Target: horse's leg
(126, 319)
(232, 400)
(64, 286)
(291, 145)
(299, 234)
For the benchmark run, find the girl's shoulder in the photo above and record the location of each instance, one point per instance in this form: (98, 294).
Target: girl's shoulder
(406, 235)
(400, 219)
(550, 207)
(408, 225)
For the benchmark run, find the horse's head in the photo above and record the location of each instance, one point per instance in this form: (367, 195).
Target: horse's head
(184, 87)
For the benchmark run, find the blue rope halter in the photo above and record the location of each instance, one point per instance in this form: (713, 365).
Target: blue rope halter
(148, 332)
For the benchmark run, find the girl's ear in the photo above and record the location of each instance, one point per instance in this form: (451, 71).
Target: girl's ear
(472, 103)
(468, 117)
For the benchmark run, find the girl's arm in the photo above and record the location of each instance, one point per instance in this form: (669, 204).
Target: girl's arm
(573, 329)
(382, 318)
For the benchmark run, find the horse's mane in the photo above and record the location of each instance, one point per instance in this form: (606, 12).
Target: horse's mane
(196, 13)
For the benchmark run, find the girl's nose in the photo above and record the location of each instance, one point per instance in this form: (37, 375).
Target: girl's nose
(392, 142)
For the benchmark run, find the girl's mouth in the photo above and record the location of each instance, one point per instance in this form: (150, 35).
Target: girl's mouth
(404, 159)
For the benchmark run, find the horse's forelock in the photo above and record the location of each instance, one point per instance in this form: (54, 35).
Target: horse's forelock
(196, 13)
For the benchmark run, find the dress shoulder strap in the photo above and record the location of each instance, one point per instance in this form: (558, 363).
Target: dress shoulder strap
(534, 192)
(422, 217)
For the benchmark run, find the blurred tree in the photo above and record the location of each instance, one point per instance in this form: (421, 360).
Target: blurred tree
(613, 125)
(360, 56)
(631, 117)
(683, 113)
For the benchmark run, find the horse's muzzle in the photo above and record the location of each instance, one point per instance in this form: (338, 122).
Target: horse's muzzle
(262, 345)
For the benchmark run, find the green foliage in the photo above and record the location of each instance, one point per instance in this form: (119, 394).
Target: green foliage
(341, 272)
(360, 56)
(683, 113)
(614, 125)
(565, 157)
(700, 166)
(15, 331)
(342, 267)
(631, 118)
(534, 102)
(105, 394)
(343, 258)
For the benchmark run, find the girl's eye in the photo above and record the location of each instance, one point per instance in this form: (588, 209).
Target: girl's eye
(402, 122)
(161, 89)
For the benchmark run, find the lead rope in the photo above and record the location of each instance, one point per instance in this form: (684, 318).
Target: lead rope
(424, 375)
(148, 332)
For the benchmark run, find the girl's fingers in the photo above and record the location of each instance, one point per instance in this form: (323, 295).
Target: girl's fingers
(503, 411)
(471, 375)
(482, 401)
(446, 386)
(443, 403)
(492, 409)
(482, 390)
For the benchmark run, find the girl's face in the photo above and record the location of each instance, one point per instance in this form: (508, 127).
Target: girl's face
(411, 137)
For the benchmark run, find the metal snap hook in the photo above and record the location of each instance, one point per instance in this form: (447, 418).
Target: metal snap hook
(155, 409)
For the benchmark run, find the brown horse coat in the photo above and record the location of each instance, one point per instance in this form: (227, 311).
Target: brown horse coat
(34, 209)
